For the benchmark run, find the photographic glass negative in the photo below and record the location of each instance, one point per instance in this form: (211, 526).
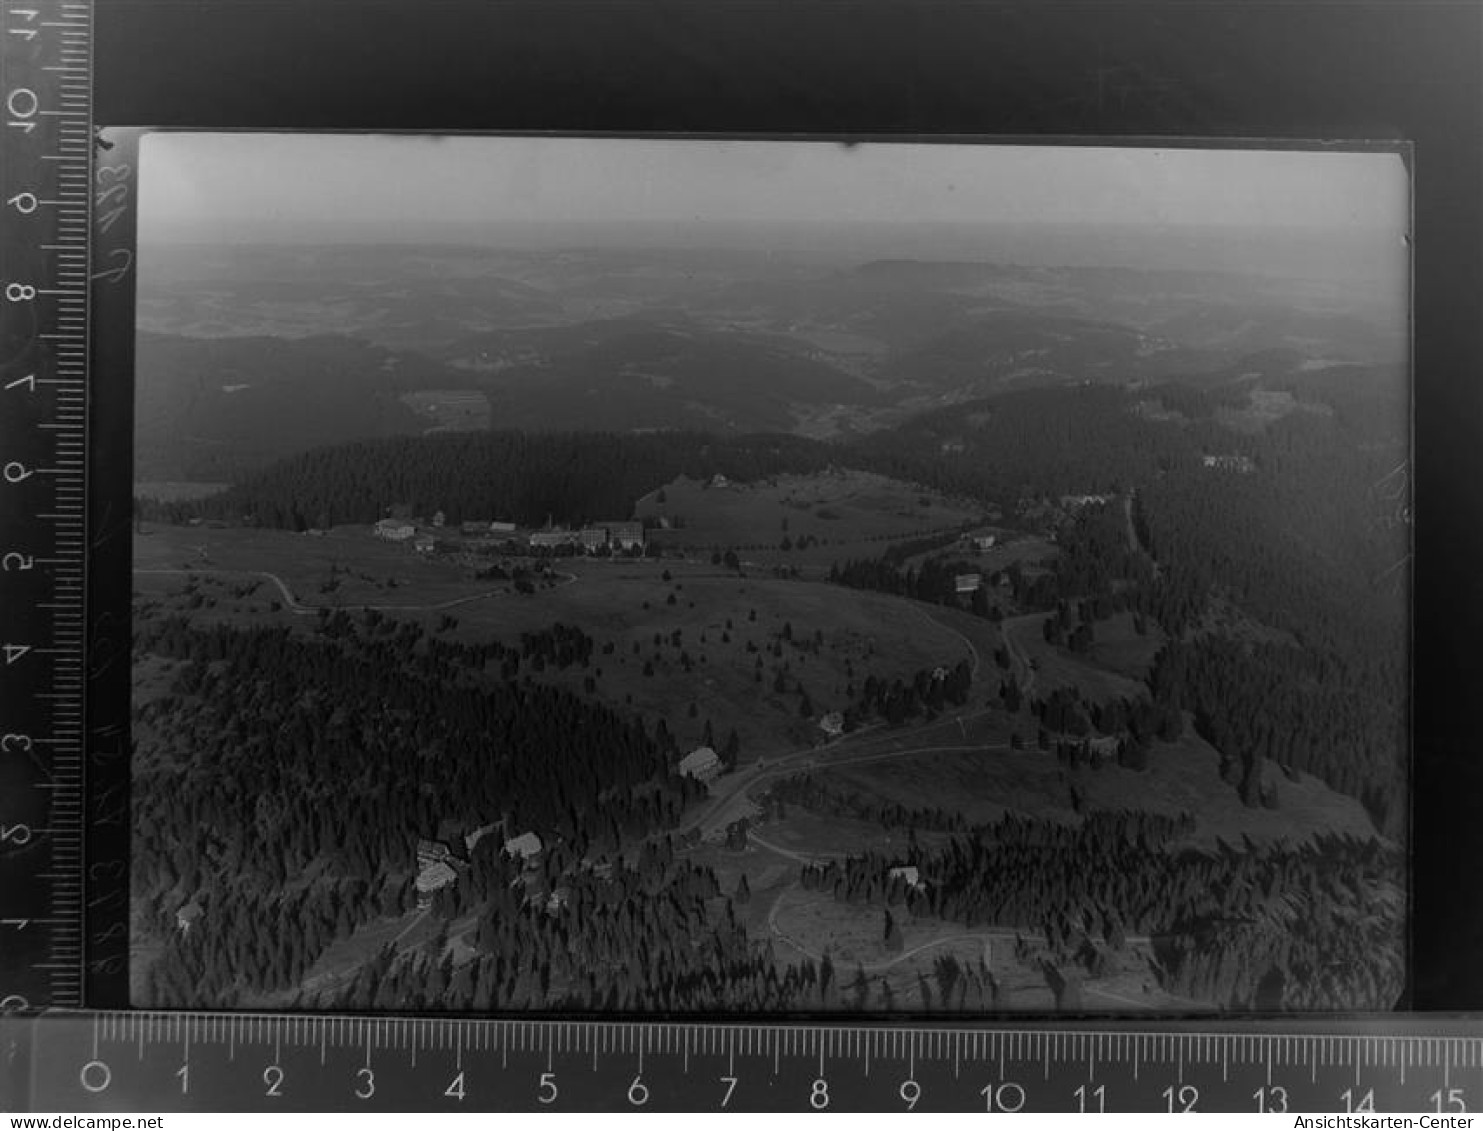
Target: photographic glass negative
(628, 574)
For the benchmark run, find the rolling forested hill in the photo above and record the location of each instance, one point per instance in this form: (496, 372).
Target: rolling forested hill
(213, 408)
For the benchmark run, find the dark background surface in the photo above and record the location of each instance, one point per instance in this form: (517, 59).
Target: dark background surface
(1222, 70)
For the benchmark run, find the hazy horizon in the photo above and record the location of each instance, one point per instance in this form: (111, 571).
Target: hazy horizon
(1283, 212)
(1314, 253)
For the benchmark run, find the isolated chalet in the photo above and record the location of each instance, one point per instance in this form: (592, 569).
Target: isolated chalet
(702, 764)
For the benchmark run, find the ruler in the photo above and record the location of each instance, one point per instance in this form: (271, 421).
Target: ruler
(261, 1062)
(47, 184)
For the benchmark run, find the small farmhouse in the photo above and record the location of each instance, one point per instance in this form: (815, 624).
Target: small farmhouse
(473, 838)
(1240, 464)
(498, 527)
(432, 852)
(980, 539)
(967, 582)
(702, 764)
(1076, 502)
(908, 874)
(552, 538)
(425, 544)
(394, 529)
(527, 846)
(186, 916)
(432, 879)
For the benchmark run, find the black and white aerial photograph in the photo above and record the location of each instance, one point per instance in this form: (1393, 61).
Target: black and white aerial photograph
(643, 575)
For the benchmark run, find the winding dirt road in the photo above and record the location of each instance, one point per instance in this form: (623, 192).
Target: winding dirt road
(737, 785)
(972, 651)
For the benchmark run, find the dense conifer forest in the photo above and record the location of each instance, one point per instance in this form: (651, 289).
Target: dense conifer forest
(1261, 928)
(527, 478)
(290, 778)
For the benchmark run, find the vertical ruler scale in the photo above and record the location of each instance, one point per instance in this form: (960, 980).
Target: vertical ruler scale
(110, 551)
(45, 193)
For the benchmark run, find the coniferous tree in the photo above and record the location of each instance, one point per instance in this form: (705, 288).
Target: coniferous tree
(892, 935)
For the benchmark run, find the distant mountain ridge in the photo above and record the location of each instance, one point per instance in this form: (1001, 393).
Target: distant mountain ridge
(625, 339)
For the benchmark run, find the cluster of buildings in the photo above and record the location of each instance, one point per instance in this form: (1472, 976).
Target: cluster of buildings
(424, 537)
(1076, 502)
(438, 867)
(619, 536)
(400, 530)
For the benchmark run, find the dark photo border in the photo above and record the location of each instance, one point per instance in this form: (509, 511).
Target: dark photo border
(1278, 73)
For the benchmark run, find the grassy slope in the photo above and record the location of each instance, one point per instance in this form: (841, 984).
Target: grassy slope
(851, 513)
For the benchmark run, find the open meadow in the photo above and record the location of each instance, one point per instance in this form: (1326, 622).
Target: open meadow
(809, 521)
(686, 642)
(1055, 667)
(1120, 648)
(346, 567)
(1182, 777)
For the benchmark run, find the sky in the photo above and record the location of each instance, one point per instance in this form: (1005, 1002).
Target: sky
(236, 187)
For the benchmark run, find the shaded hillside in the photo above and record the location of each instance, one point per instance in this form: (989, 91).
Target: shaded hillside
(1014, 347)
(529, 478)
(1052, 441)
(1222, 313)
(210, 409)
(395, 296)
(649, 373)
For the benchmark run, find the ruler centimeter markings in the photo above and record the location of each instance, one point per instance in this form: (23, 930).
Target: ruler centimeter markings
(46, 140)
(247, 1062)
